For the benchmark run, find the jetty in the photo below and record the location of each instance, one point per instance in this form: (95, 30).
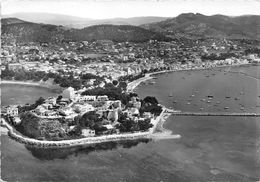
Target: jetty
(231, 114)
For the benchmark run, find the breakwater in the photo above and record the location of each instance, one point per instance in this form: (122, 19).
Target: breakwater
(214, 114)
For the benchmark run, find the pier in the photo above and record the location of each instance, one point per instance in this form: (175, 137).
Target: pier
(213, 114)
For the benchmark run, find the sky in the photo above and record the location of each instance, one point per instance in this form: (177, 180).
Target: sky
(102, 9)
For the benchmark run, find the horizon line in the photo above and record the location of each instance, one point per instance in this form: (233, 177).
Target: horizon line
(42, 12)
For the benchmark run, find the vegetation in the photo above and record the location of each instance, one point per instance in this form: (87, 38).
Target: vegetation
(128, 125)
(64, 81)
(37, 128)
(222, 56)
(28, 107)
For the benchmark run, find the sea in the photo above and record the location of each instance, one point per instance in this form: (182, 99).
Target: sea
(219, 149)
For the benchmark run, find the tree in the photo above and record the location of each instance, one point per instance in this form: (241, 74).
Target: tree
(39, 101)
(29, 125)
(89, 119)
(151, 100)
(115, 82)
(144, 124)
(122, 85)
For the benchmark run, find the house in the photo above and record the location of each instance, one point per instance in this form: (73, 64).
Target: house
(86, 132)
(12, 110)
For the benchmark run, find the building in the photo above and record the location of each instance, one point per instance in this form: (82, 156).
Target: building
(12, 110)
(69, 93)
(86, 132)
(102, 98)
(86, 98)
(14, 66)
(83, 108)
(113, 115)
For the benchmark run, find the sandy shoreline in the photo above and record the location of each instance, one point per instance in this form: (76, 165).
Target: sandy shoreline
(34, 84)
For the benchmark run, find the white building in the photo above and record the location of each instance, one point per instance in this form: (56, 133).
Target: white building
(87, 98)
(88, 132)
(69, 93)
(102, 98)
(12, 110)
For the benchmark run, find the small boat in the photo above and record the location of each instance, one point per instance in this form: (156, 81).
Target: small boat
(188, 103)
(210, 96)
(227, 97)
(203, 100)
(208, 101)
(174, 101)
(242, 108)
(192, 95)
(226, 108)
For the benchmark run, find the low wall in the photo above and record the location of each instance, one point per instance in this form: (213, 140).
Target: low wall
(77, 142)
(74, 142)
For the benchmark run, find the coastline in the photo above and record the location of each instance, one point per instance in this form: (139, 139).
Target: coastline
(132, 85)
(150, 134)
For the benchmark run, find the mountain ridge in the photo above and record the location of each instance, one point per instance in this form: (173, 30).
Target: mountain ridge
(34, 32)
(79, 22)
(190, 24)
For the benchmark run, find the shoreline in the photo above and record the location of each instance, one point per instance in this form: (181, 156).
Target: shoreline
(150, 134)
(132, 85)
(30, 83)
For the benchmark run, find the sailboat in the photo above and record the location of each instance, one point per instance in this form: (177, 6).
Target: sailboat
(171, 94)
(227, 95)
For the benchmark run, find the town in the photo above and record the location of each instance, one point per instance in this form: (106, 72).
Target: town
(95, 79)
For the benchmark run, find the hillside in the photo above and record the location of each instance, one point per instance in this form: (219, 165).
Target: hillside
(78, 22)
(198, 25)
(33, 32)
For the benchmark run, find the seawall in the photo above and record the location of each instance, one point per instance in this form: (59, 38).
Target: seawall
(73, 142)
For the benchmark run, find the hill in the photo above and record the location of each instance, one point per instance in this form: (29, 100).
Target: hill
(198, 25)
(78, 22)
(34, 32)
